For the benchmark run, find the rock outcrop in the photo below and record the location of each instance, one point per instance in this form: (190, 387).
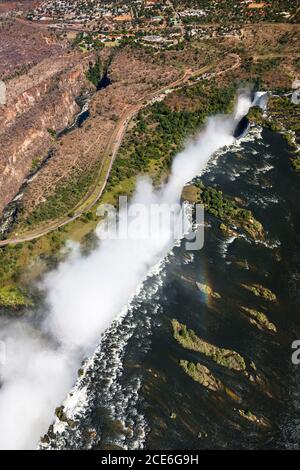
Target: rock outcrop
(37, 102)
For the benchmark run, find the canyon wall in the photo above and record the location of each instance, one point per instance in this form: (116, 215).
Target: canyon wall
(37, 102)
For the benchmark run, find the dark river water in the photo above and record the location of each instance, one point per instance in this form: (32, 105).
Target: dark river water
(135, 395)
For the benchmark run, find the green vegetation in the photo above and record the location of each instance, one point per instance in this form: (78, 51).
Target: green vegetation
(9, 256)
(220, 206)
(148, 148)
(94, 73)
(296, 163)
(261, 291)
(160, 131)
(202, 374)
(52, 132)
(87, 41)
(224, 357)
(207, 290)
(35, 164)
(282, 116)
(64, 199)
(258, 68)
(259, 319)
(248, 415)
(255, 115)
(21, 263)
(281, 112)
(286, 112)
(227, 12)
(228, 231)
(14, 297)
(15, 258)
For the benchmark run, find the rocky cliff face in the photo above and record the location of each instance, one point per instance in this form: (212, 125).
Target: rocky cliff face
(41, 100)
(132, 76)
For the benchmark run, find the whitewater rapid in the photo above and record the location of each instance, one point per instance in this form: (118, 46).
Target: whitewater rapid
(84, 295)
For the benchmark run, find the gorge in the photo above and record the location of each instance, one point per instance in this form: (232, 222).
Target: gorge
(71, 326)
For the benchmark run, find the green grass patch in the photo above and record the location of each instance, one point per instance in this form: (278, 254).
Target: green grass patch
(160, 131)
(222, 207)
(64, 199)
(13, 297)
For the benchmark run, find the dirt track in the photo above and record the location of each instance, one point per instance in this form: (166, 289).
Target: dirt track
(113, 146)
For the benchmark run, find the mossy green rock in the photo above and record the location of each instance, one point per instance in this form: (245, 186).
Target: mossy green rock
(255, 115)
(60, 413)
(203, 375)
(224, 357)
(260, 291)
(296, 163)
(259, 319)
(208, 290)
(249, 416)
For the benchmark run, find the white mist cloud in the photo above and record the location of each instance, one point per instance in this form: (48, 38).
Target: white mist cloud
(33, 379)
(83, 296)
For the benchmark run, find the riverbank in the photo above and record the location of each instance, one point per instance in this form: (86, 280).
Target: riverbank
(156, 134)
(140, 387)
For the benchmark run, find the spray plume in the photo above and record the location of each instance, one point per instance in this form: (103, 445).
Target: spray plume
(83, 296)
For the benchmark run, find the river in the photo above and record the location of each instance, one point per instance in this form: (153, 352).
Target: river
(133, 394)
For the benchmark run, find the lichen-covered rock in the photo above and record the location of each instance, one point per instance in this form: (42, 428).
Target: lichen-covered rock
(255, 115)
(224, 357)
(203, 375)
(191, 194)
(260, 291)
(228, 231)
(249, 416)
(208, 290)
(259, 319)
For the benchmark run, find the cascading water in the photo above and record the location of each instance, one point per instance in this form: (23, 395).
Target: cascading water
(84, 295)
